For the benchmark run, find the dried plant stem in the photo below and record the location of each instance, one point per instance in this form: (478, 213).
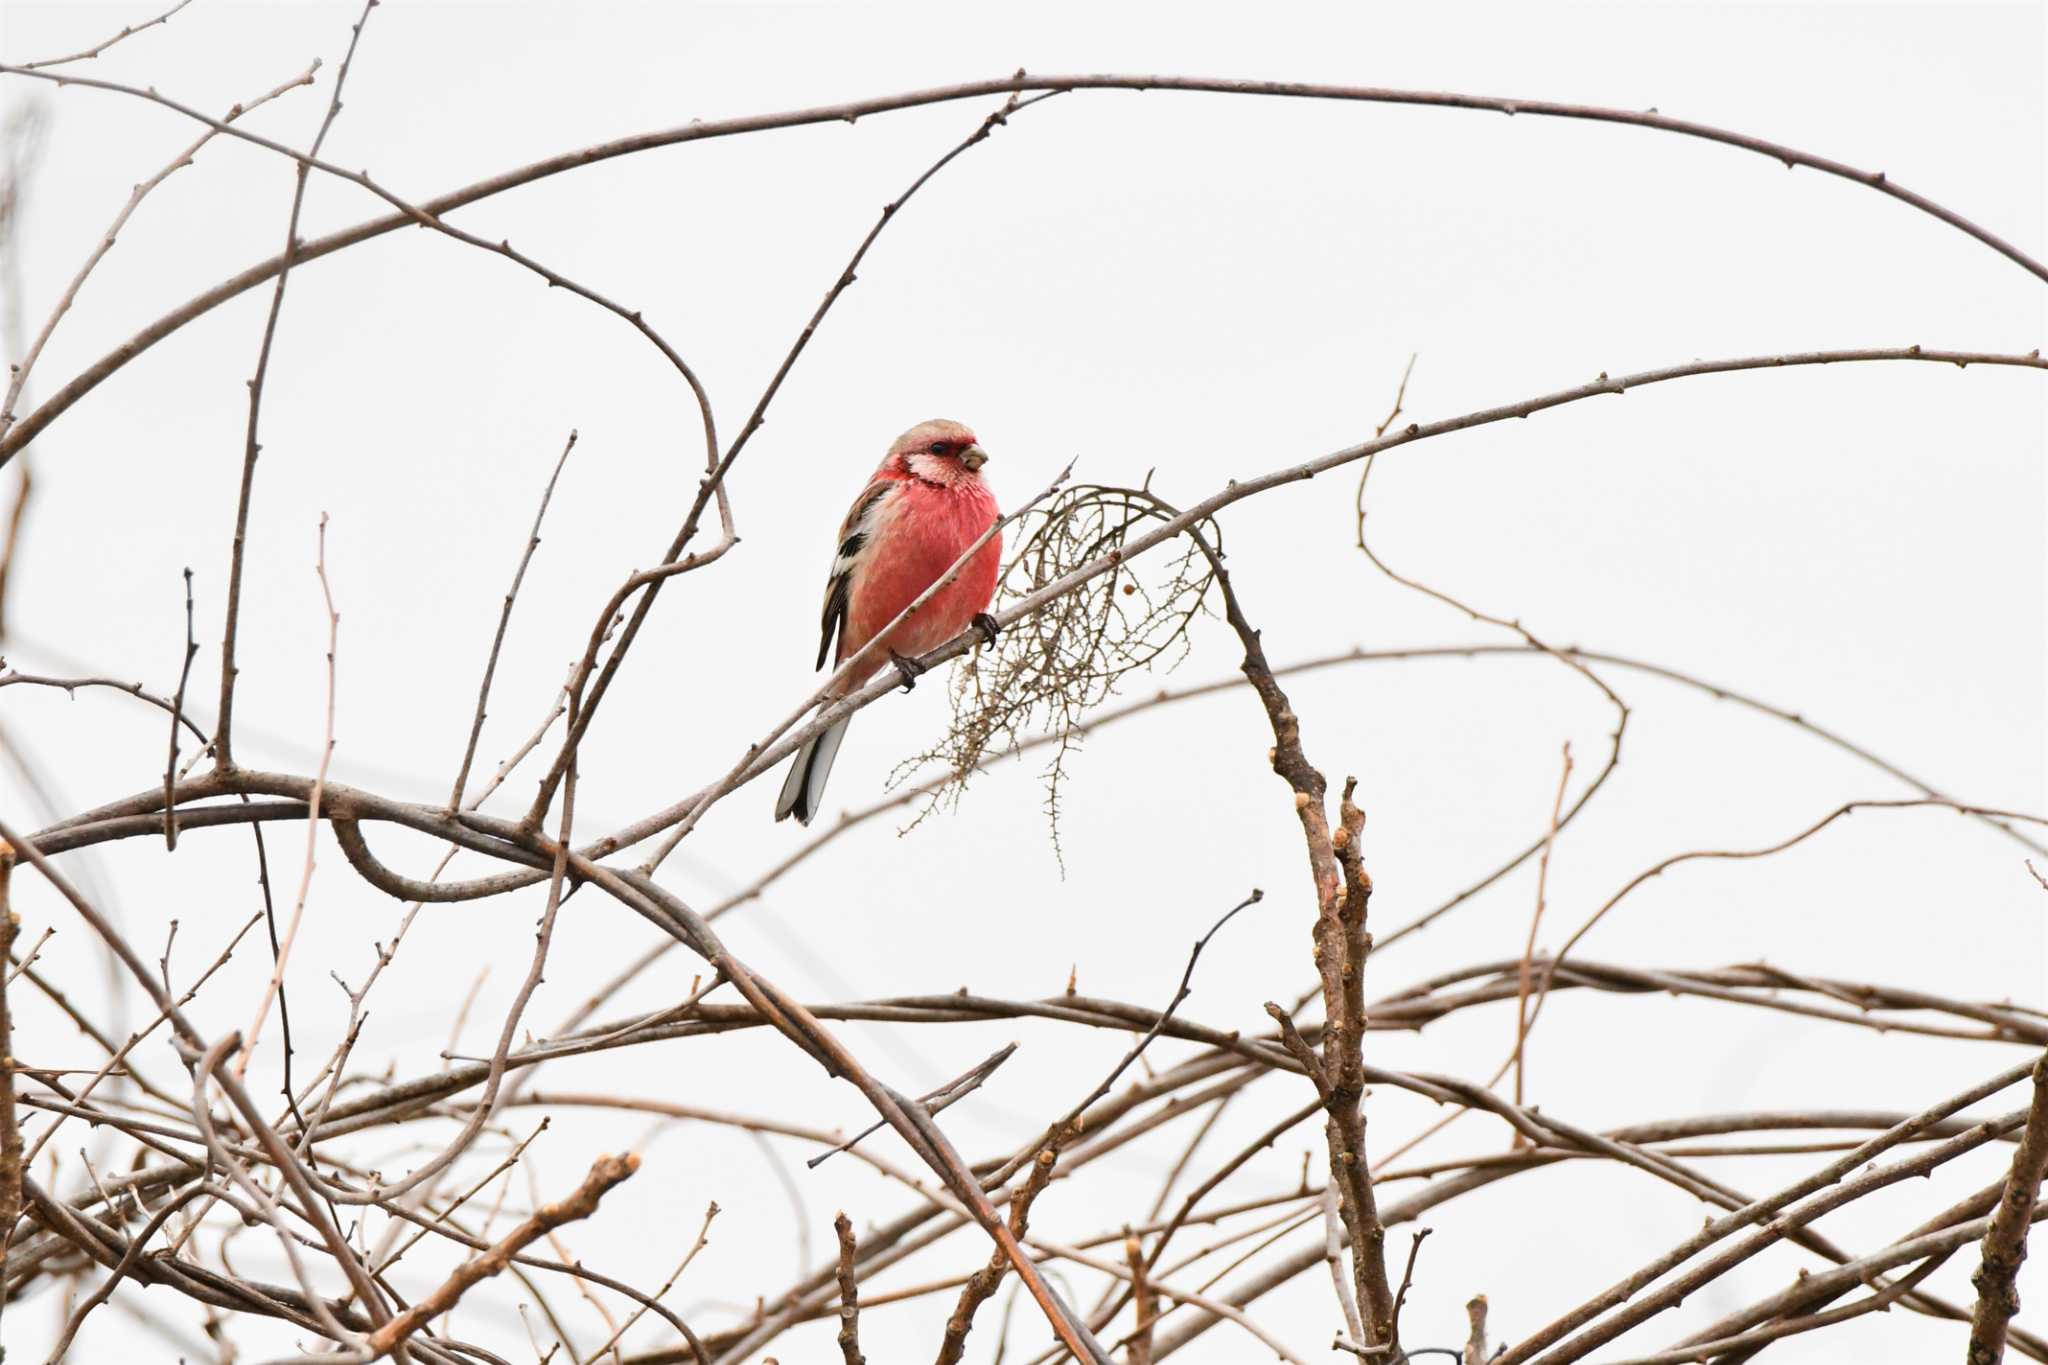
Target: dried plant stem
(177, 715)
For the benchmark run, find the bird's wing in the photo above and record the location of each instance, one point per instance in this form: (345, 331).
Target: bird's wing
(855, 534)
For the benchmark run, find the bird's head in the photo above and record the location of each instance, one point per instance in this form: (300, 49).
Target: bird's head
(938, 451)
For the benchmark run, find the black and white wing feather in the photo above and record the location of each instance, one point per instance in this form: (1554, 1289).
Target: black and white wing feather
(803, 790)
(855, 534)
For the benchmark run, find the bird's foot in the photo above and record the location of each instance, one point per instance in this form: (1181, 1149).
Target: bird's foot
(907, 668)
(986, 625)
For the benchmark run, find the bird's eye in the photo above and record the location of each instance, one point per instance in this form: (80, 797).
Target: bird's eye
(941, 448)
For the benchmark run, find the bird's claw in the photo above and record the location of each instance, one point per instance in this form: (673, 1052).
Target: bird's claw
(907, 668)
(986, 625)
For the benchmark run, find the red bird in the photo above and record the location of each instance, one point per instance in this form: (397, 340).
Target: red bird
(922, 509)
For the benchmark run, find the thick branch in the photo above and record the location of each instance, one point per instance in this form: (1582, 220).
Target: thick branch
(1342, 892)
(2005, 1244)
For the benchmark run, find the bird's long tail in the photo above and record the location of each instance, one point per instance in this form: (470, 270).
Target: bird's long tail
(803, 791)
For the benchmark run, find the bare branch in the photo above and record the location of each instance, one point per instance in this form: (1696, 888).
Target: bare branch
(26, 361)
(849, 1296)
(10, 1127)
(178, 715)
(2005, 1242)
(127, 32)
(275, 990)
(483, 694)
(852, 111)
(605, 1173)
(223, 732)
(984, 1282)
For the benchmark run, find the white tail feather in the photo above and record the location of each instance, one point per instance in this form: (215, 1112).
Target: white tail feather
(803, 791)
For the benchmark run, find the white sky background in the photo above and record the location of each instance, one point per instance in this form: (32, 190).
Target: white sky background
(1202, 286)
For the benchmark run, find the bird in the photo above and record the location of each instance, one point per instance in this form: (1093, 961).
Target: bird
(923, 508)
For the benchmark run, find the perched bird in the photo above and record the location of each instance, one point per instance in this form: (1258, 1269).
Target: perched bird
(923, 508)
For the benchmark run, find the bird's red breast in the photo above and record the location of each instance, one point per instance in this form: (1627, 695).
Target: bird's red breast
(914, 531)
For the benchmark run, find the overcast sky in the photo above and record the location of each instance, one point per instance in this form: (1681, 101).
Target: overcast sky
(1199, 286)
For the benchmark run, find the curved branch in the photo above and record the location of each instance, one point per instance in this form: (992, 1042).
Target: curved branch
(15, 678)
(33, 423)
(1168, 696)
(767, 757)
(349, 834)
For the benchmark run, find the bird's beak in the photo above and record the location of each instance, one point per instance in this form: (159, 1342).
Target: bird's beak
(974, 457)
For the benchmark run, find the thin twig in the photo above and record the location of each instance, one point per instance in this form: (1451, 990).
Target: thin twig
(654, 1300)
(275, 987)
(1564, 778)
(1056, 1131)
(932, 1101)
(26, 360)
(128, 31)
(1408, 1276)
(223, 732)
(177, 715)
(483, 694)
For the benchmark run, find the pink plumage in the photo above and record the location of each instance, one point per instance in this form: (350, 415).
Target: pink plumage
(924, 507)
